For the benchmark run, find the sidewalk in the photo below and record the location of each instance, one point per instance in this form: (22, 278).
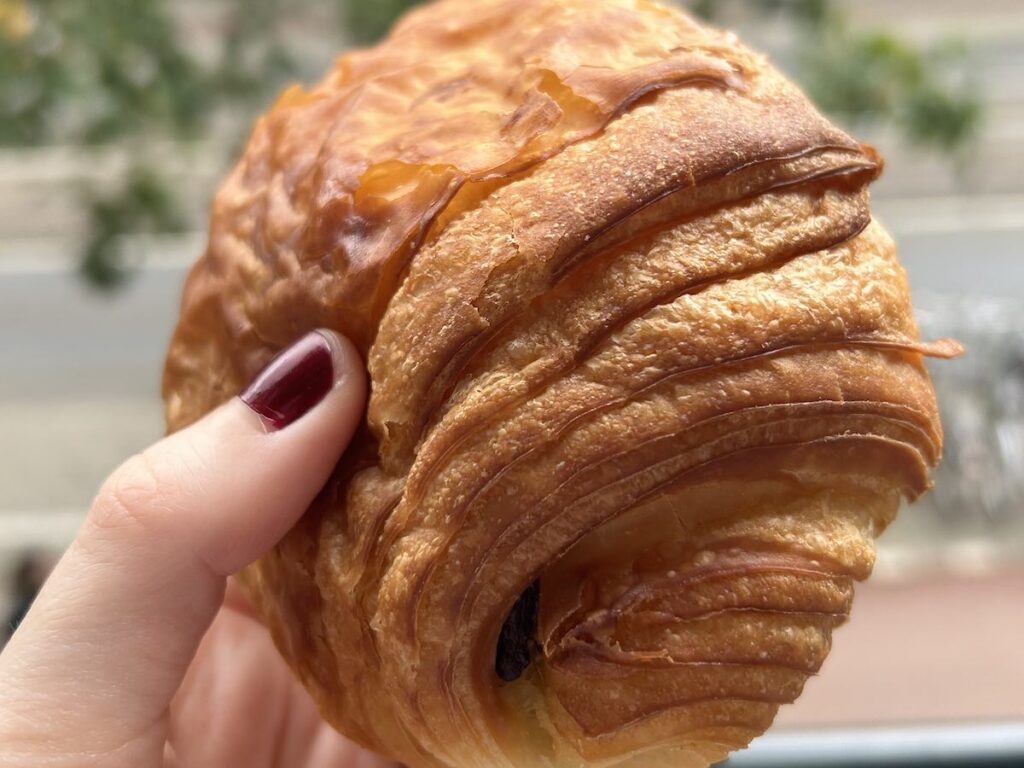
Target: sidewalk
(951, 648)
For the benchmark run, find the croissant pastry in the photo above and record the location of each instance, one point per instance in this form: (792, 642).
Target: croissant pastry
(646, 383)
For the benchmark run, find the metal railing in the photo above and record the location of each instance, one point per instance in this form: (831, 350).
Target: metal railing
(979, 745)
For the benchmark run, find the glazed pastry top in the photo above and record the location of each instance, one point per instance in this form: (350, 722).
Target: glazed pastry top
(645, 380)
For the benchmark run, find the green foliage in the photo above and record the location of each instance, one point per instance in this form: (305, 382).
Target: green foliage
(144, 203)
(369, 20)
(255, 61)
(876, 77)
(102, 71)
(78, 72)
(869, 76)
(91, 72)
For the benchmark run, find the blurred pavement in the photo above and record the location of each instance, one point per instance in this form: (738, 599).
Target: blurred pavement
(944, 648)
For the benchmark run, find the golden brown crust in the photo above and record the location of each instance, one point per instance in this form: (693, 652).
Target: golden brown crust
(632, 335)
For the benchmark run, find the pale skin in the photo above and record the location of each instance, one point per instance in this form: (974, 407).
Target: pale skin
(139, 651)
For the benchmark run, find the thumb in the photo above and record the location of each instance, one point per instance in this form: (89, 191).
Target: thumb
(109, 639)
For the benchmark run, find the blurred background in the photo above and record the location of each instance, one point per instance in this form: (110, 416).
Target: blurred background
(117, 118)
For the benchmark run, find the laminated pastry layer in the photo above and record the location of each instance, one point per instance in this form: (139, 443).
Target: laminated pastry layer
(340, 184)
(645, 382)
(815, 351)
(685, 154)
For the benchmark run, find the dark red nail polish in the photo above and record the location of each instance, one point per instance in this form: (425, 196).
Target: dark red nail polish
(293, 382)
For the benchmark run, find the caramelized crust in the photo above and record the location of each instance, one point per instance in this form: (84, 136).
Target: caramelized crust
(636, 346)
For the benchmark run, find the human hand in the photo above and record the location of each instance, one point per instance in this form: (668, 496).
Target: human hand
(137, 652)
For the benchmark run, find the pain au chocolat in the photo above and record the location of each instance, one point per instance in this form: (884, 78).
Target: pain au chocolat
(646, 383)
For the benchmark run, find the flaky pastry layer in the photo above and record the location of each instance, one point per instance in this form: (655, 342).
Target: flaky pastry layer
(644, 374)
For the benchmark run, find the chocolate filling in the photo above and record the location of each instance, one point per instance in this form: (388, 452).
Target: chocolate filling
(516, 642)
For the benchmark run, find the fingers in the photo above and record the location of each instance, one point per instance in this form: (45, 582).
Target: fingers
(274, 722)
(112, 632)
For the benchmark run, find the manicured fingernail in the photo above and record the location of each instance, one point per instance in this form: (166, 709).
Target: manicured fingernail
(294, 381)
